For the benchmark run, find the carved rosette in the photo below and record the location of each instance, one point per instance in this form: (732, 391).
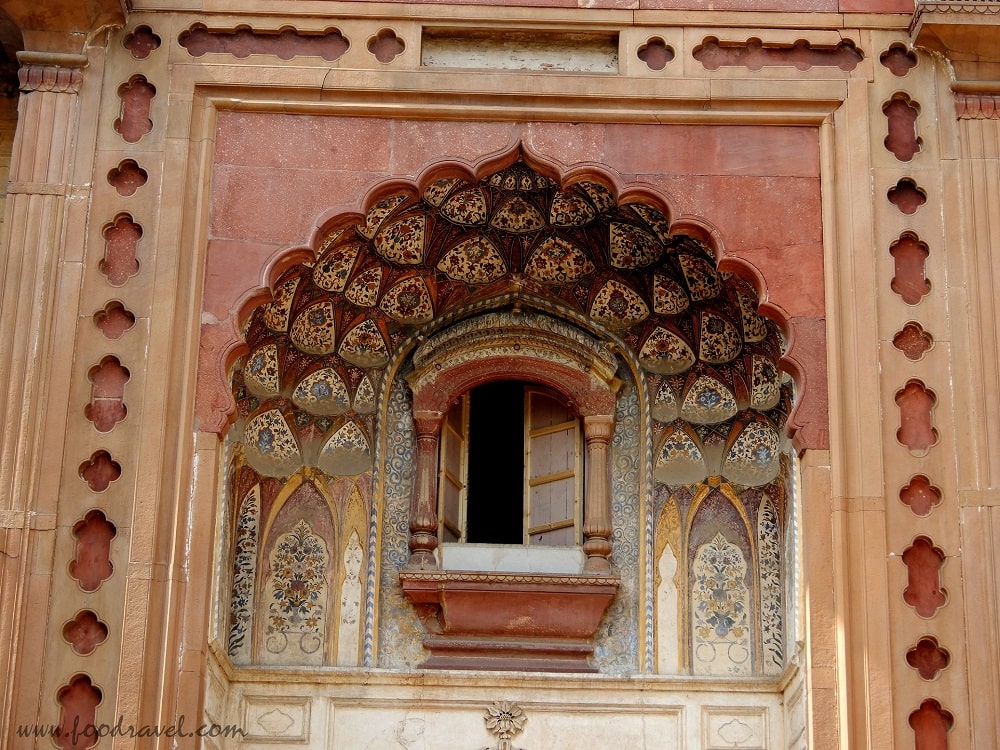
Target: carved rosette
(505, 720)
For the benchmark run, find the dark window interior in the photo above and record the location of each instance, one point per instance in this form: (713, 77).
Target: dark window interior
(495, 512)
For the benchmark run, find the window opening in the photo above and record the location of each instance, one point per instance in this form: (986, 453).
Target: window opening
(511, 467)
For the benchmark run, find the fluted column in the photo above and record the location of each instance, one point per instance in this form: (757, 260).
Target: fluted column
(30, 252)
(423, 506)
(597, 430)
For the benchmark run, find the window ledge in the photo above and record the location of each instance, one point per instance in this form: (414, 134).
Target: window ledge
(509, 621)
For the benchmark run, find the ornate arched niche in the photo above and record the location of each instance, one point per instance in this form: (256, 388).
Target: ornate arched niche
(572, 284)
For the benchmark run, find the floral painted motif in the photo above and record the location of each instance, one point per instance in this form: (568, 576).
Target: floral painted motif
(701, 277)
(654, 218)
(719, 340)
(603, 198)
(313, 330)
(632, 247)
(771, 611)
(276, 312)
(708, 401)
(618, 305)
(378, 213)
(517, 216)
(298, 593)
(322, 392)
(669, 297)
(437, 191)
(260, 373)
(558, 261)
(364, 345)
(570, 210)
(363, 291)
(754, 458)
(765, 389)
(466, 208)
(334, 266)
(403, 241)
(474, 261)
(269, 435)
(408, 301)
(679, 459)
(720, 605)
(364, 396)
(754, 324)
(665, 352)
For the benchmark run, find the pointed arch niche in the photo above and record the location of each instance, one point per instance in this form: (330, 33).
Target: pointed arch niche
(351, 362)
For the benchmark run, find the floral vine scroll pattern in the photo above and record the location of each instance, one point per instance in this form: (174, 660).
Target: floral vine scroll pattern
(298, 591)
(719, 610)
(244, 571)
(769, 550)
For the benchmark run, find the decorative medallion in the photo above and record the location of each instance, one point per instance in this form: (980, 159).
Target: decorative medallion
(378, 213)
(261, 373)
(271, 446)
(665, 352)
(558, 261)
(669, 297)
(473, 261)
(333, 268)
(403, 241)
(517, 216)
(719, 340)
(504, 720)
(632, 247)
(466, 208)
(364, 345)
(708, 401)
(701, 277)
(322, 392)
(570, 210)
(313, 331)
(618, 305)
(408, 301)
(666, 405)
(276, 312)
(363, 291)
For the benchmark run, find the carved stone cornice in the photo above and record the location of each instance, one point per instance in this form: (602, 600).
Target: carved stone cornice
(55, 72)
(977, 106)
(967, 32)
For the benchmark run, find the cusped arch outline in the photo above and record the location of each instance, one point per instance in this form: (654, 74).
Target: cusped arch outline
(597, 186)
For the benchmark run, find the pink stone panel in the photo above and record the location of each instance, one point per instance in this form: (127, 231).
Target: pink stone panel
(757, 150)
(100, 471)
(756, 5)
(920, 495)
(302, 141)
(114, 319)
(916, 425)
(78, 701)
(808, 423)
(85, 632)
(280, 206)
(928, 658)
(418, 144)
(930, 725)
(876, 6)
(233, 268)
(923, 570)
(92, 564)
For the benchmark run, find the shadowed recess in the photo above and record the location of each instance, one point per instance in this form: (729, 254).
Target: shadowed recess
(901, 115)
(916, 431)
(906, 196)
(85, 632)
(386, 46)
(910, 281)
(114, 320)
(655, 53)
(127, 177)
(930, 724)
(245, 41)
(920, 495)
(898, 59)
(78, 701)
(120, 240)
(928, 658)
(136, 96)
(913, 341)
(100, 471)
(92, 564)
(923, 569)
(754, 54)
(141, 42)
(107, 405)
